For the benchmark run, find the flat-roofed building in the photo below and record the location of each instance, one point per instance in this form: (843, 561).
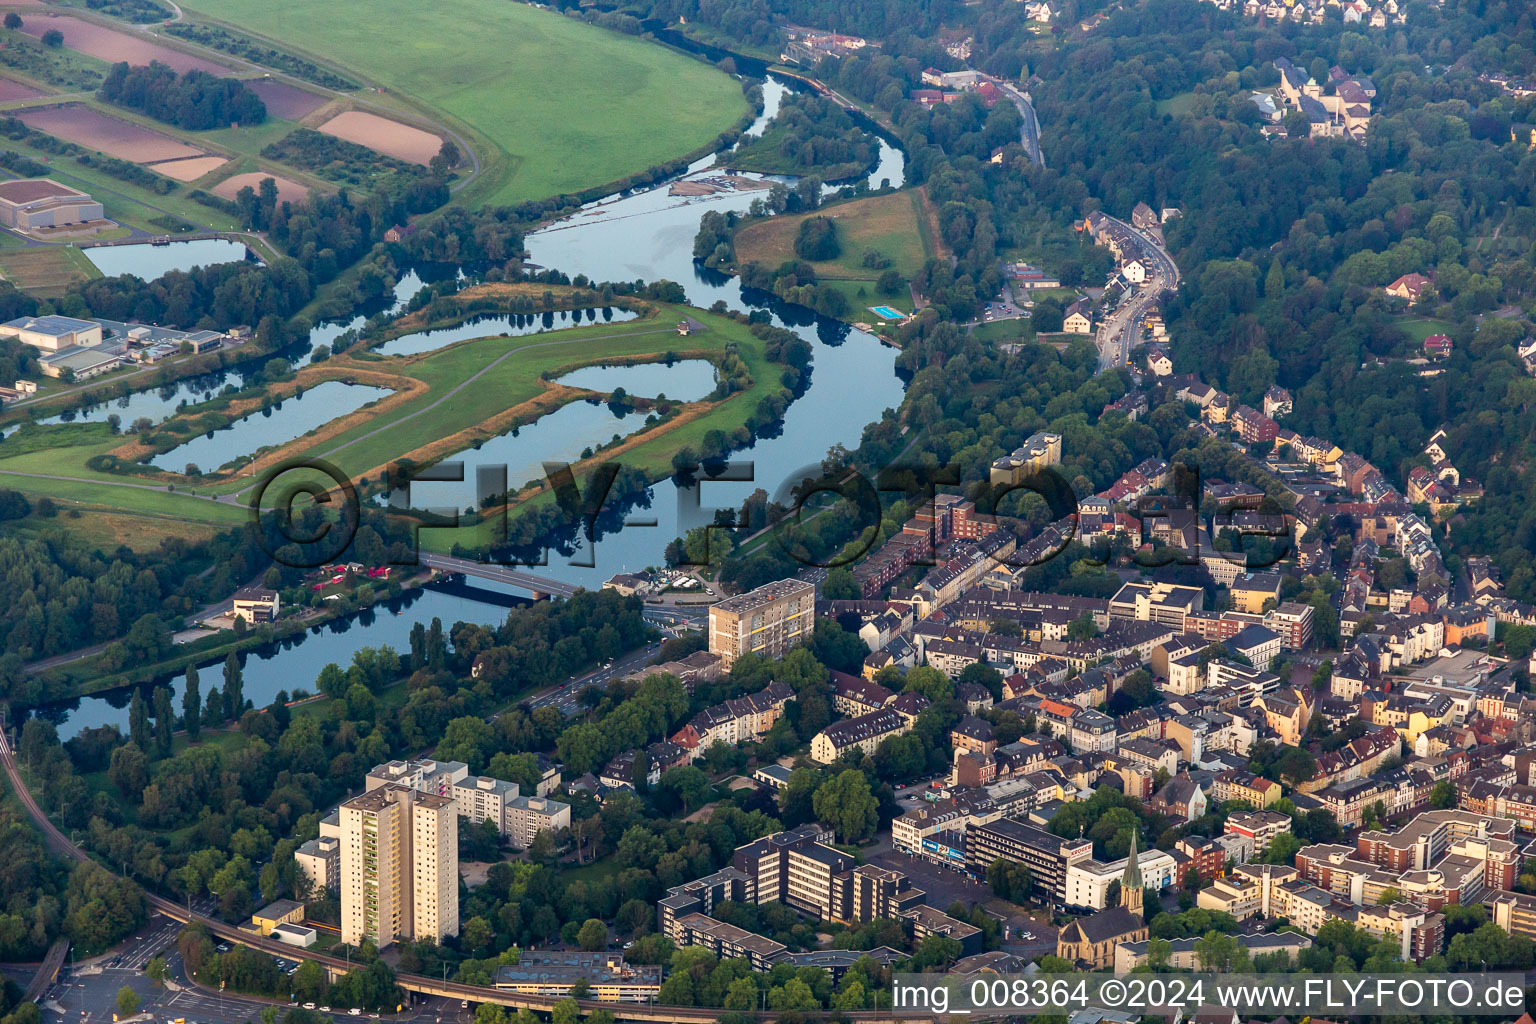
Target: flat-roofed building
(256, 604)
(768, 621)
(424, 775)
(52, 333)
(795, 868)
(319, 861)
(727, 941)
(527, 816)
(78, 363)
(399, 866)
(480, 797)
(30, 203)
(1038, 451)
(1047, 856)
(552, 974)
(276, 913)
(1165, 603)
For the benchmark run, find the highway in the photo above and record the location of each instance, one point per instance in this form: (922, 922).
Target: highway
(1117, 335)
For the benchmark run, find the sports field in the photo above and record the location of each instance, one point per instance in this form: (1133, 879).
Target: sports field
(562, 105)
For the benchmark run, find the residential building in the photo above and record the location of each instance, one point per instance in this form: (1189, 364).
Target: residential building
(319, 862)
(768, 621)
(1038, 451)
(1165, 603)
(864, 733)
(256, 604)
(399, 866)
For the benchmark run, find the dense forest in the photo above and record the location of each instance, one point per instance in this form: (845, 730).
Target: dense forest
(809, 135)
(194, 100)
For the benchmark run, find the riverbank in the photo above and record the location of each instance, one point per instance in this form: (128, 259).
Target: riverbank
(85, 678)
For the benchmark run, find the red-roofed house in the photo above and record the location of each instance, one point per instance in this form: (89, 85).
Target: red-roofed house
(1437, 346)
(1409, 286)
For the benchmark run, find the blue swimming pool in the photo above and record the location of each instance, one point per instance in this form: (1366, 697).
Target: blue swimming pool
(887, 312)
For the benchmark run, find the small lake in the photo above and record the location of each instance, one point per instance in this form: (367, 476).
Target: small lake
(563, 435)
(292, 417)
(148, 261)
(155, 405)
(560, 436)
(514, 325)
(687, 380)
(294, 664)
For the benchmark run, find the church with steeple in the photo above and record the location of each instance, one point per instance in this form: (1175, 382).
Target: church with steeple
(1091, 940)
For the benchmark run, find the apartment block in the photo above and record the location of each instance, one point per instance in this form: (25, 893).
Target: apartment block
(768, 621)
(1165, 603)
(399, 866)
(424, 776)
(319, 862)
(1046, 855)
(1037, 452)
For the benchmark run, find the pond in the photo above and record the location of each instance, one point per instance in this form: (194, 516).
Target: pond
(156, 404)
(292, 417)
(515, 325)
(687, 380)
(565, 434)
(646, 235)
(148, 261)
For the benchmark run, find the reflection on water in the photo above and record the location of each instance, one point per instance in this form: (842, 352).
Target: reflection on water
(147, 261)
(643, 236)
(515, 325)
(686, 380)
(566, 435)
(156, 404)
(852, 380)
(282, 422)
(294, 663)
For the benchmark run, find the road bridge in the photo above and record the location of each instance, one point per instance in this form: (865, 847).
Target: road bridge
(539, 586)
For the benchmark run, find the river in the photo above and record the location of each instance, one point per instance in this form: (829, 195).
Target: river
(647, 235)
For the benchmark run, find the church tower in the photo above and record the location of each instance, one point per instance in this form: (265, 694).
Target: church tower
(1130, 882)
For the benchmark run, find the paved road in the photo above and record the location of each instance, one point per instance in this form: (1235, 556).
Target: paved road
(1029, 133)
(1117, 335)
(507, 574)
(565, 697)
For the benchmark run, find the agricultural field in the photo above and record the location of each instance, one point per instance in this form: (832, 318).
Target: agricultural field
(893, 225)
(126, 202)
(12, 90)
(113, 136)
(382, 135)
(287, 191)
(285, 101)
(46, 272)
(113, 45)
(550, 104)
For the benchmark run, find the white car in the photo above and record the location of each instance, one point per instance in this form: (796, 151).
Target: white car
(309, 1006)
(354, 1012)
